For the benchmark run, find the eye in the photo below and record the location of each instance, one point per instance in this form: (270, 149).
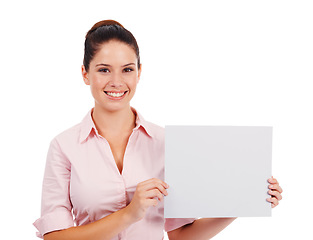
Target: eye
(103, 70)
(128, 69)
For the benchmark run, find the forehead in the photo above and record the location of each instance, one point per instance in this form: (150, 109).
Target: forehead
(115, 52)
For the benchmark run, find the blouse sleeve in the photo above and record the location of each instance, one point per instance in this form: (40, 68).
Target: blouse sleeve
(56, 207)
(174, 223)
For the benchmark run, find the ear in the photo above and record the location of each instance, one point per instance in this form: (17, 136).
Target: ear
(139, 72)
(85, 75)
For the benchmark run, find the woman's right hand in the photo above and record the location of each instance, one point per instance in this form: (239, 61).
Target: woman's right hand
(147, 194)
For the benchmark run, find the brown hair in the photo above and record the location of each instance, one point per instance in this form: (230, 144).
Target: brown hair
(105, 31)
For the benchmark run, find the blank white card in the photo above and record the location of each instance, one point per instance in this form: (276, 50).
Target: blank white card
(217, 171)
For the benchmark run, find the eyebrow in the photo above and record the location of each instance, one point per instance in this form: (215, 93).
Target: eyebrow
(108, 65)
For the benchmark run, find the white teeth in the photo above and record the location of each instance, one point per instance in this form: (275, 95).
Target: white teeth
(112, 94)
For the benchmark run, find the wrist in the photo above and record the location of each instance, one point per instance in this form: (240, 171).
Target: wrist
(127, 216)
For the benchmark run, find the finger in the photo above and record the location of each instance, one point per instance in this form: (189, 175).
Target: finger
(154, 193)
(164, 184)
(275, 194)
(275, 187)
(272, 180)
(152, 202)
(150, 180)
(152, 186)
(154, 183)
(157, 186)
(274, 201)
(162, 189)
(155, 180)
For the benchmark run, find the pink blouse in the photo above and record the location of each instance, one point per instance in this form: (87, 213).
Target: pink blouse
(82, 183)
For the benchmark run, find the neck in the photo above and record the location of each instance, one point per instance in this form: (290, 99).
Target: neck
(113, 122)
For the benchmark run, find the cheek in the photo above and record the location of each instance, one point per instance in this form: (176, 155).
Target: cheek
(96, 88)
(132, 86)
(98, 84)
(133, 81)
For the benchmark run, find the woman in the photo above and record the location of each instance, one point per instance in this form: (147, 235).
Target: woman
(107, 171)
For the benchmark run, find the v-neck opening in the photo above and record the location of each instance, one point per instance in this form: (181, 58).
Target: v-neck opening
(121, 173)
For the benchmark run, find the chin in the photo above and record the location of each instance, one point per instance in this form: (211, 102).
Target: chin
(114, 107)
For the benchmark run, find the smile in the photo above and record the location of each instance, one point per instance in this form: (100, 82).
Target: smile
(115, 94)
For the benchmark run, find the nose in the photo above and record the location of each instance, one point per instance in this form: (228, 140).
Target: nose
(116, 80)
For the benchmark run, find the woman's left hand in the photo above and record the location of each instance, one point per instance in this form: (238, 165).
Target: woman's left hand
(275, 192)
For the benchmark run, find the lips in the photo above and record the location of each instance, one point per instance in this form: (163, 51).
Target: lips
(115, 94)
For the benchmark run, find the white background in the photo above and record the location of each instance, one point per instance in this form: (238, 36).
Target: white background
(204, 62)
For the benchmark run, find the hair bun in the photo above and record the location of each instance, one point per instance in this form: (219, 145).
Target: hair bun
(103, 23)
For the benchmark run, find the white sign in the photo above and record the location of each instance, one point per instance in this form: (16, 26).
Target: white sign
(217, 171)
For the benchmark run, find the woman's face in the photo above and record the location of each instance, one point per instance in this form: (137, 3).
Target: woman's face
(113, 75)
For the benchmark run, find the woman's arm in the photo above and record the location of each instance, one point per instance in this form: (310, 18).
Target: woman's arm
(201, 229)
(105, 228)
(113, 224)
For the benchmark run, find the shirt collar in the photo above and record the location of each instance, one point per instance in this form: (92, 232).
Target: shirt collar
(88, 125)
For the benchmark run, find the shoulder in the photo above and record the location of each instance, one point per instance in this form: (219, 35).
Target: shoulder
(68, 135)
